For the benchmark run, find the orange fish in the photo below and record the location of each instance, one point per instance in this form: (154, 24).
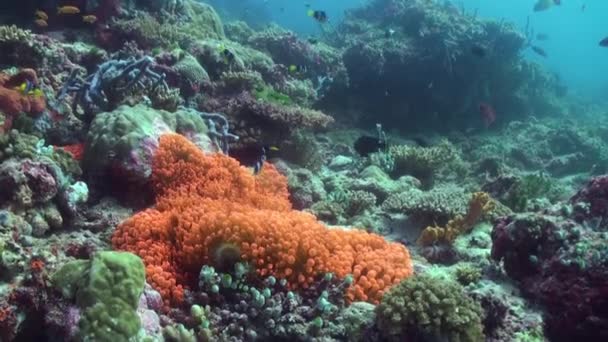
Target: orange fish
(41, 15)
(41, 23)
(68, 10)
(89, 19)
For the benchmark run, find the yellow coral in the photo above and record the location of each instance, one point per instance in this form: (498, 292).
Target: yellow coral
(479, 205)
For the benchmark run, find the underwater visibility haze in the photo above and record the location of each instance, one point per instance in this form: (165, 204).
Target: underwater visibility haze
(323, 170)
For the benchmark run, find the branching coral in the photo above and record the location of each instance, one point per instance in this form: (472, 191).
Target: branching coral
(208, 202)
(200, 21)
(110, 84)
(479, 205)
(427, 308)
(19, 47)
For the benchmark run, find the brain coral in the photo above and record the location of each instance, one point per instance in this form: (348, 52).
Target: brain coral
(206, 202)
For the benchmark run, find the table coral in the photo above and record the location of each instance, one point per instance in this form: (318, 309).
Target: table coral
(207, 204)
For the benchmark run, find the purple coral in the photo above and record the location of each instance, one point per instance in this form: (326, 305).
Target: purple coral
(594, 197)
(27, 182)
(561, 262)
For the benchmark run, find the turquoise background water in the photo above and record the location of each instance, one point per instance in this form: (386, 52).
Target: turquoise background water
(574, 53)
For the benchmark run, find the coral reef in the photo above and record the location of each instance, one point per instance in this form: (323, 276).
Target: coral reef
(169, 175)
(414, 77)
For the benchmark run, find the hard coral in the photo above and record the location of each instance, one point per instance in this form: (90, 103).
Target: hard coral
(428, 308)
(560, 260)
(258, 120)
(595, 197)
(479, 205)
(205, 202)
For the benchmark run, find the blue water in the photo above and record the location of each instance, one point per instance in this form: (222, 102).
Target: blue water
(572, 46)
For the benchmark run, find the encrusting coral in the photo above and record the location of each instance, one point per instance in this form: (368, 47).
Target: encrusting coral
(209, 204)
(479, 205)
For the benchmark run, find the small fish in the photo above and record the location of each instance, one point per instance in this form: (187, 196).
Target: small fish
(543, 5)
(366, 145)
(254, 156)
(41, 15)
(488, 115)
(37, 92)
(68, 10)
(41, 23)
(89, 19)
(604, 42)
(557, 2)
(583, 7)
(319, 16)
(542, 36)
(25, 87)
(227, 55)
(299, 69)
(478, 50)
(389, 33)
(312, 40)
(539, 51)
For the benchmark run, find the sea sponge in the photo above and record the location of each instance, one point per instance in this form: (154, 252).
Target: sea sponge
(207, 202)
(429, 308)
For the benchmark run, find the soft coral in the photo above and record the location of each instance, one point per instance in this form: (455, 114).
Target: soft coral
(208, 202)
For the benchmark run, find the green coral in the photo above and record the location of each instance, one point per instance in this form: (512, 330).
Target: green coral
(528, 188)
(107, 289)
(190, 69)
(427, 308)
(17, 144)
(117, 134)
(467, 274)
(358, 202)
(20, 145)
(268, 94)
